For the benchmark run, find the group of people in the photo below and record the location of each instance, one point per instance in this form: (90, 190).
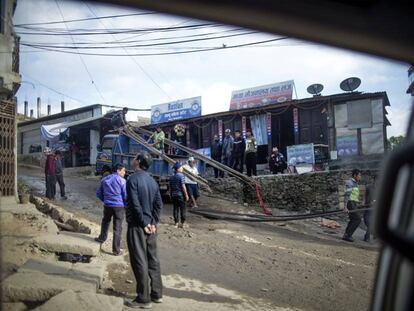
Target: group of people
(139, 199)
(54, 173)
(236, 151)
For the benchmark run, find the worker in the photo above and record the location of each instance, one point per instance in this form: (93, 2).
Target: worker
(59, 174)
(74, 149)
(351, 200)
(112, 192)
(227, 149)
(118, 120)
(50, 173)
(158, 138)
(277, 162)
(215, 152)
(143, 215)
(251, 153)
(239, 146)
(179, 195)
(191, 185)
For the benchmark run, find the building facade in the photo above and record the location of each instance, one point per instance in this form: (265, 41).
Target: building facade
(9, 84)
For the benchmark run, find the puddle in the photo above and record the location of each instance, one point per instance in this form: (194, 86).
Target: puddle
(73, 258)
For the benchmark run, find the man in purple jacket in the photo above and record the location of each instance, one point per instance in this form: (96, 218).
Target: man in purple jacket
(112, 192)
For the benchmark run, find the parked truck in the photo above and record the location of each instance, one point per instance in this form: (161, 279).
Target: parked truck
(122, 149)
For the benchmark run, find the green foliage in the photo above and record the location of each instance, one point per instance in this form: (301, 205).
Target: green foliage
(395, 141)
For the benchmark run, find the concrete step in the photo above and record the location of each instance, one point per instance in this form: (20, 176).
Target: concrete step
(39, 287)
(68, 242)
(88, 272)
(82, 301)
(13, 306)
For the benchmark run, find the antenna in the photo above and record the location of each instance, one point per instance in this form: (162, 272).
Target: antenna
(350, 84)
(315, 89)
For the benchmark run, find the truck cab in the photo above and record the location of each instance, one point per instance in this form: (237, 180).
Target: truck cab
(104, 157)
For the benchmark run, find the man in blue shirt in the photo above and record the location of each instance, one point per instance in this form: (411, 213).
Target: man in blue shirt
(179, 196)
(112, 192)
(143, 215)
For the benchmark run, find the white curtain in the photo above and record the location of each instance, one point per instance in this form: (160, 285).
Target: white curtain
(259, 128)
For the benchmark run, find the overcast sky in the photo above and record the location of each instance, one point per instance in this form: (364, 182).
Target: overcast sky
(212, 75)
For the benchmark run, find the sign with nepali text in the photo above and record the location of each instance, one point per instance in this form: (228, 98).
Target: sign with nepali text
(177, 110)
(300, 154)
(262, 95)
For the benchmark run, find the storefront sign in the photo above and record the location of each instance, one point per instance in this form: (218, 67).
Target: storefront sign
(347, 145)
(300, 154)
(244, 126)
(220, 129)
(295, 120)
(269, 124)
(262, 95)
(178, 110)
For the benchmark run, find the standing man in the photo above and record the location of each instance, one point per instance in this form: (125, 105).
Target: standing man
(74, 151)
(216, 150)
(251, 152)
(50, 174)
(158, 138)
(59, 174)
(118, 120)
(179, 195)
(239, 146)
(192, 186)
(351, 201)
(112, 192)
(143, 216)
(227, 149)
(277, 162)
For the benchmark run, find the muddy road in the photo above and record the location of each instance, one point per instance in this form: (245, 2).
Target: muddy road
(253, 266)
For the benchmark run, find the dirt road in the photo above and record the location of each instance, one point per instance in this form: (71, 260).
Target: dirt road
(238, 265)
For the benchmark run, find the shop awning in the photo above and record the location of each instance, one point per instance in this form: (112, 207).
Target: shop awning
(52, 131)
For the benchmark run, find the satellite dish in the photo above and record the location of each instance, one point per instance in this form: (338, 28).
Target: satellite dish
(315, 89)
(350, 84)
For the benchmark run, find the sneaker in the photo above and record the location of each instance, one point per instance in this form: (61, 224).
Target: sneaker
(367, 239)
(99, 240)
(64, 197)
(180, 225)
(156, 300)
(347, 238)
(176, 225)
(138, 305)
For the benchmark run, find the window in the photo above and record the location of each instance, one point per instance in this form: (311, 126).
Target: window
(107, 143)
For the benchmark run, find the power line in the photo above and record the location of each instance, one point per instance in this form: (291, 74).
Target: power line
(83, 62)
(91, 32)
(224, 47)
(145, 45)
(86, 19)
(134, 60)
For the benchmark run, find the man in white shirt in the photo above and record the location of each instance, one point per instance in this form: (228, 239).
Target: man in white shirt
(192, 186)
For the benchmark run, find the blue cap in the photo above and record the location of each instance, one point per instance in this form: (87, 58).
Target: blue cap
(177, 165)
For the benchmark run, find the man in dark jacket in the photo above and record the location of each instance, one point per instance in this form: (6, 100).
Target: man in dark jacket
(112, 192)
(59, 174)
(143, 214)
(227, 150)
(239, 146)
(50, 174)
(118, 120)
(277, 162)
(215, 150)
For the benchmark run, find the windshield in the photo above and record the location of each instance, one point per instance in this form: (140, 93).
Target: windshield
(107, 144)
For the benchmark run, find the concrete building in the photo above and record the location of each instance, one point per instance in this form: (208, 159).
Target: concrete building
(9, 84)
(352, 126)
(83, 126)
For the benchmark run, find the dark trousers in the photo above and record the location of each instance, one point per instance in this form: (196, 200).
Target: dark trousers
(228, 161)
(118, 213)
(50, 186)
(145, 263)
(279, 168)
(179, 209)
(217, 172)
(238, 162)
(251, 163)
(354, 219)
(367, 221)
(59, 179)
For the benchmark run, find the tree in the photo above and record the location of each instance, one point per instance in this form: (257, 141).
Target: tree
(395, 141)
